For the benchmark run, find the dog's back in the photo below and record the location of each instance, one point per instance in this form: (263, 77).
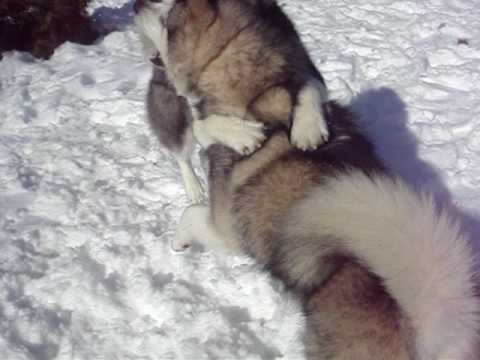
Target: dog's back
(264, 186)
(351, 316)
(361, 300)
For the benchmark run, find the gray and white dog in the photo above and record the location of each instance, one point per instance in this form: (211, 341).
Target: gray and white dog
(279, 67)
(381, 271)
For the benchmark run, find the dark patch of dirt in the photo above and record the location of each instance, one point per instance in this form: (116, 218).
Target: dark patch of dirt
(40, 26)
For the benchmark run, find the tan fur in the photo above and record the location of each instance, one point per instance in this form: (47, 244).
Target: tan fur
(265, 199)
(243, 59)
(353, 316)
(248, 167)
(301, 216)
(273, 106)
(218, 50)
(354, 319)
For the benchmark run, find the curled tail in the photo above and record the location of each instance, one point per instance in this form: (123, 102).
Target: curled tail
(425, 261)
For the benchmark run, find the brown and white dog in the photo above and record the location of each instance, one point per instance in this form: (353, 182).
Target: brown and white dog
(382, 272)
(255, 38)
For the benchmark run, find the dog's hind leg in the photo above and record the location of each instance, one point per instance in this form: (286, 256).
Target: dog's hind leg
(196, 226)
(192, 184)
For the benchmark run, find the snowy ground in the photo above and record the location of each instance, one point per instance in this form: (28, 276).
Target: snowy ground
(89, 201)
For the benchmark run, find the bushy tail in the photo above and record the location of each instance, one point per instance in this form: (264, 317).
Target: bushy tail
(425, 261)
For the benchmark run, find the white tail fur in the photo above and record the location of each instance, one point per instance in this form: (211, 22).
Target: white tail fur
(425, 261)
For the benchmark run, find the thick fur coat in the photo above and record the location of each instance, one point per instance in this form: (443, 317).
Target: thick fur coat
(382, 271)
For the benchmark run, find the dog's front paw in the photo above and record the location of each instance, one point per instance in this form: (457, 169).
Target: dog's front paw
(309, 129)
(241, 135)
(245, 136)
(309, 122)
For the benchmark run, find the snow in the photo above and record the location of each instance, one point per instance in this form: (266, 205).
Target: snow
(89, 200)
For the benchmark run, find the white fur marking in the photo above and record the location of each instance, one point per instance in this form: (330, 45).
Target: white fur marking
(201, 134)
(149, 23)
(192, 184)
(425, 261)
(309, 127)
(150, 19)
(195, 226)
(241, 135)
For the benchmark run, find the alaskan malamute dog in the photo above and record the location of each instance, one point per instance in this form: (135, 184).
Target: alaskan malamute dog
(383, 273)
(257, 38)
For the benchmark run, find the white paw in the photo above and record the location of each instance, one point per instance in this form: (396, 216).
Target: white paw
(243, 136)
(309, 129)
(309, 124)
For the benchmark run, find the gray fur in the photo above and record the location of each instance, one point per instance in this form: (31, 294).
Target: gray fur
(170, 118)
(334, 227)
(169, 114)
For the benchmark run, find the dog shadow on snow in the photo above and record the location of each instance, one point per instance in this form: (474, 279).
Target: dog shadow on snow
(384, 117)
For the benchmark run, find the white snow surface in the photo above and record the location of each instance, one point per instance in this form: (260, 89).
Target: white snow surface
(89, 200)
